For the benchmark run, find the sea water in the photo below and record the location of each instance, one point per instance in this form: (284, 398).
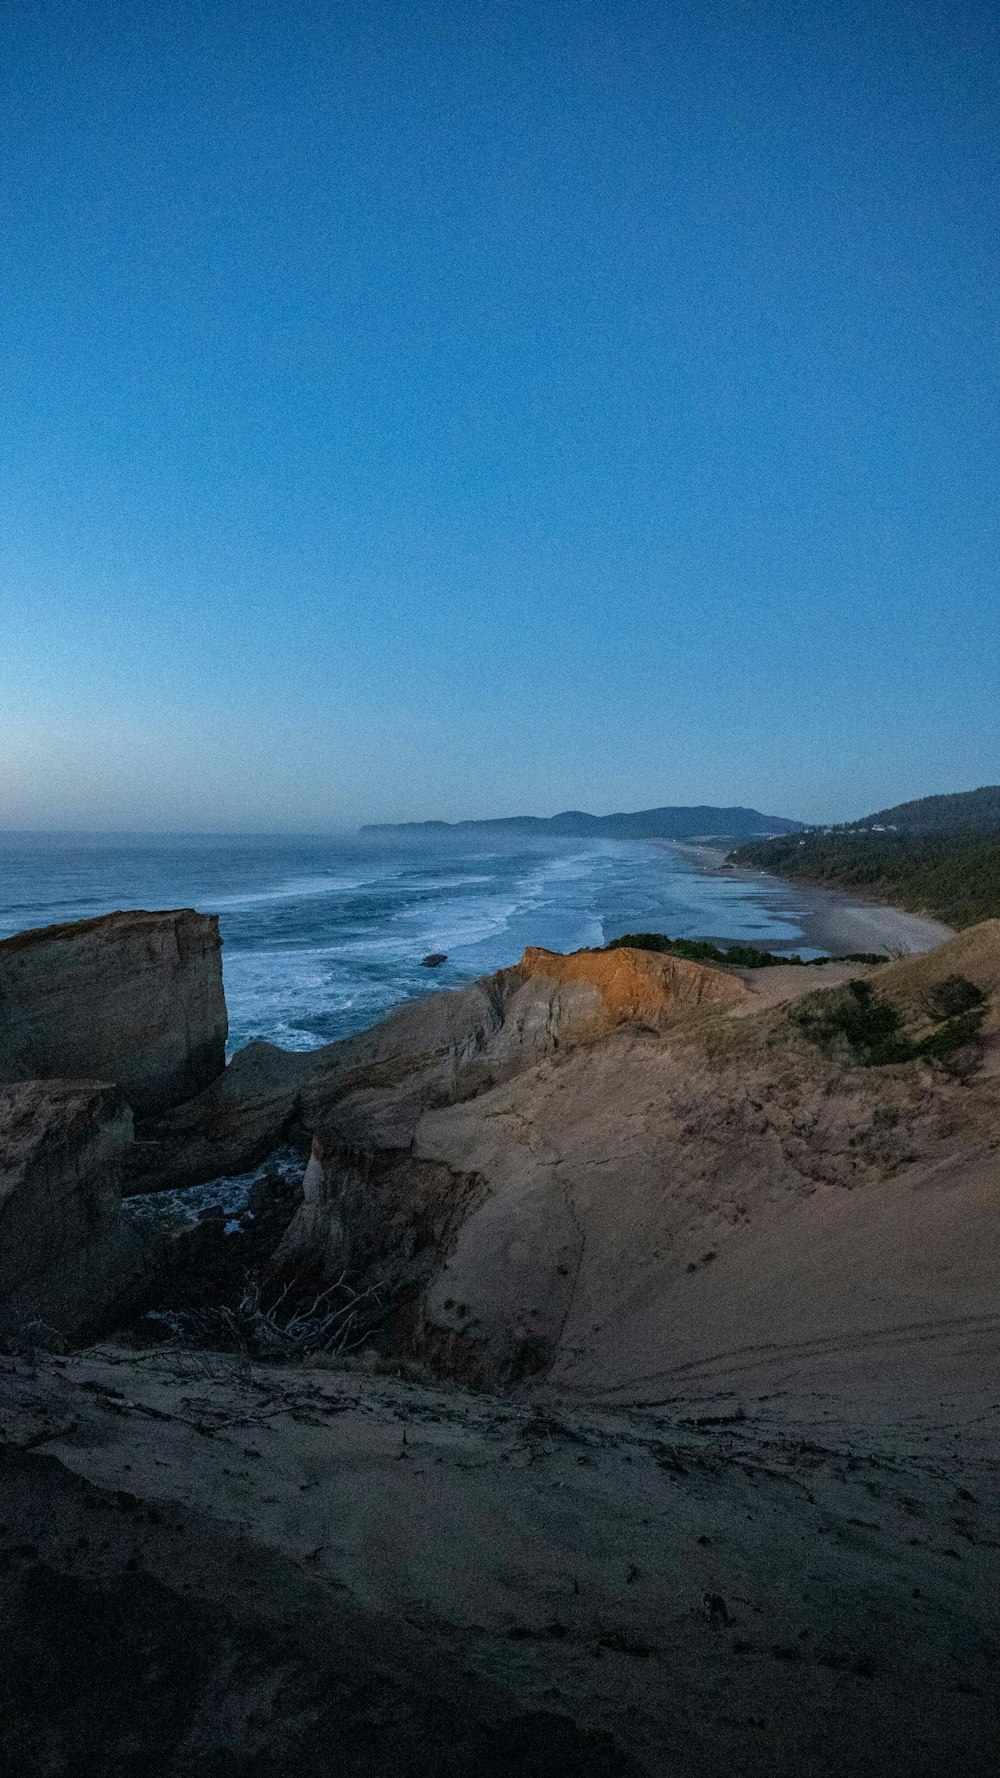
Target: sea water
(322, 935)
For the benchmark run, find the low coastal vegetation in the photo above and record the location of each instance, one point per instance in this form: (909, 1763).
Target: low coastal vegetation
(701, 950)
(854, 1026)
(851, 1024)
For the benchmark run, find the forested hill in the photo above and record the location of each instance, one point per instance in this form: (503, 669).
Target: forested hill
(968, 811)
(939, 855)
(700, 822)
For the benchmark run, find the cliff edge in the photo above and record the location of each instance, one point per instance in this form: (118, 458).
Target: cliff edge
(134, 998)
(715, 1185)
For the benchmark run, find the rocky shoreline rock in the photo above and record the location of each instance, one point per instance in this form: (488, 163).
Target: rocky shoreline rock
(62, 1146)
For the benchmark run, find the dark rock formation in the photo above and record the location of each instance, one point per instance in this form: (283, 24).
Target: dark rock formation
(434, 959)
(134, 998)
(231, 1126)
(385, 1216)
(62, 1145)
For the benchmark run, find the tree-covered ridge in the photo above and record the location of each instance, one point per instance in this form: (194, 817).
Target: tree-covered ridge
(967, 810)
(954, 876)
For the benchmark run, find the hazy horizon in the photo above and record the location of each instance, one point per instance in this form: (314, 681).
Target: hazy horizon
(419, 413)
(351, 832)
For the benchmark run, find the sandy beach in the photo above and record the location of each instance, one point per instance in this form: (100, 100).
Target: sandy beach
(829, 919)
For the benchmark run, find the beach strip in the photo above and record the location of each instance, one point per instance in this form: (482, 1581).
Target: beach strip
(829, 919)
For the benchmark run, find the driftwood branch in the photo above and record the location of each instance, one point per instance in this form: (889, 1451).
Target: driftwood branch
(328, 1324)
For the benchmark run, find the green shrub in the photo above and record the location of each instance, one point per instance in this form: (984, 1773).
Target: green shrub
(955, 995)
(855, 1027)
(850, 957)
(952, 1036)
(701, 950)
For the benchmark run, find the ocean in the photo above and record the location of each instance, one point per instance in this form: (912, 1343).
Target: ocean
(323, 935)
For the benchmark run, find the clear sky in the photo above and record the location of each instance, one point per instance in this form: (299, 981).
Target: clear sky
(448, 409)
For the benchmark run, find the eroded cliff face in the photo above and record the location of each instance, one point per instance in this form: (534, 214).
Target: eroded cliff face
(133, 998)
(62, 1146)
(591, 1170)
(372, 1088)
(595, 991)
(375, 1201)
(683, 1191)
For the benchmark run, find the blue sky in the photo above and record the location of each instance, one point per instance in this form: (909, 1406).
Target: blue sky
(454, 409)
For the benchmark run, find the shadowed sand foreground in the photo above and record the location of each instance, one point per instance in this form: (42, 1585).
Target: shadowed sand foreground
(285, 1565)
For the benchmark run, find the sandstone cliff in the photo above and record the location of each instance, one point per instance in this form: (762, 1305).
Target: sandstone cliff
(685, 1193)
(62, 1145)
(134, 998)
(446, 1047)
(764, 1541)
(596, 1170)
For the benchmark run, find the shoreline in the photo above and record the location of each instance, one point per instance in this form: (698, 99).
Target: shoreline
(830, 920)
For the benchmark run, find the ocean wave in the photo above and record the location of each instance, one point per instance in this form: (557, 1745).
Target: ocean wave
(320, 941)
(303, 890)
(230, 1194)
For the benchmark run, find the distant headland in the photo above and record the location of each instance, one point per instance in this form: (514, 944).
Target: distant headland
(699, 822)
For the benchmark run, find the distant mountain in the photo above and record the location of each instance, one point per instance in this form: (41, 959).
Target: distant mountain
(967, 811)
(701, 822)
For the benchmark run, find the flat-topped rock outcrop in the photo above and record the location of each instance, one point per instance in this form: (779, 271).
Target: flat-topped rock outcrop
(601, 989)
(135, 998)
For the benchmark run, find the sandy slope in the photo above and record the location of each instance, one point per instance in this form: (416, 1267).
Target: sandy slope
(656, 1202)
(393, 1578)
(887, 1300)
